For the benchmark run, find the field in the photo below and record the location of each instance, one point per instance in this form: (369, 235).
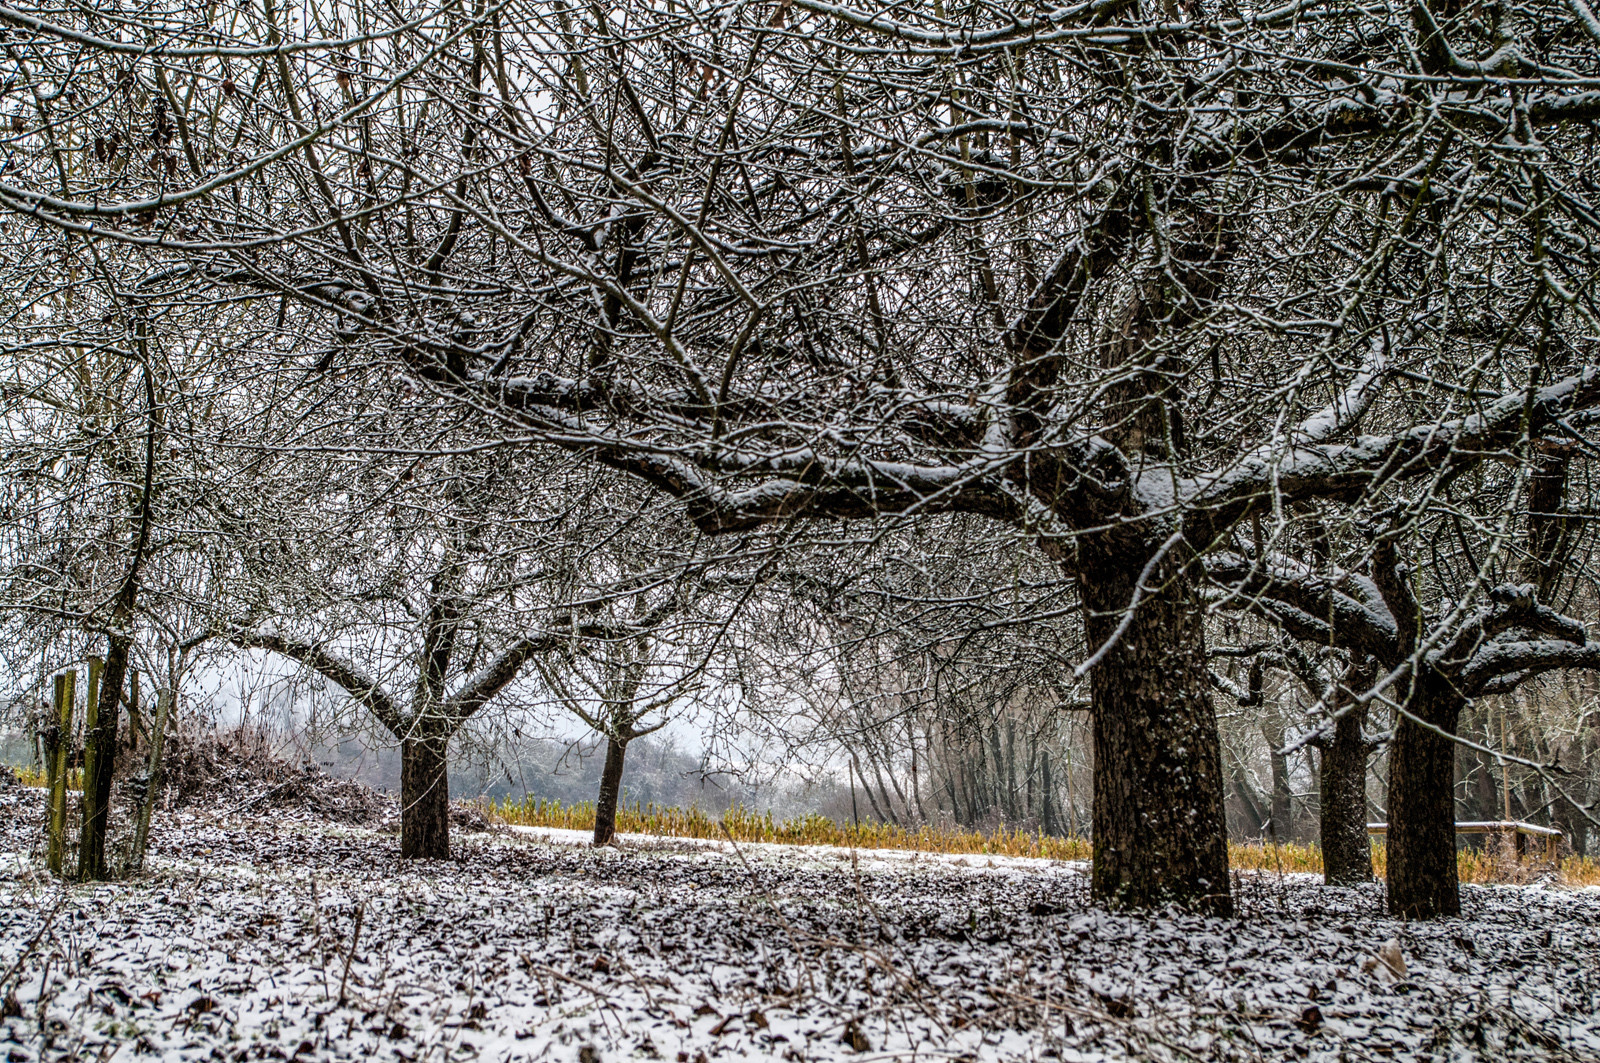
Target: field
(280, 936)
(738, 825)
(1476, 865)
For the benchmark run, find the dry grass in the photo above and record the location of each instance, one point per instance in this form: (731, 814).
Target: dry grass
(31, 775)
(747, 826)
(1580, 871)
(1286, 858)
(1491, 864)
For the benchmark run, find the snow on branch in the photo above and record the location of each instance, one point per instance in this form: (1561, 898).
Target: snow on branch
(1482, 658)
(1345, 610)
(1342, 413)
(1501, 667)
(483, 685)
(1304, 470)
(495, 676)
(923, 490)
(1511, 608)
(1315, 608)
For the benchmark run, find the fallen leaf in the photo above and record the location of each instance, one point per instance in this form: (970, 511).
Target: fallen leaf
(1389, 955)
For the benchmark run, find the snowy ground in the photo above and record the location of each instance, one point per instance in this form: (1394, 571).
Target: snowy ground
(294, 939)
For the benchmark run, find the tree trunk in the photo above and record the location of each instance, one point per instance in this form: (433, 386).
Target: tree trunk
(1549, 528)
(1281, 823)
(1030, 774)
(152, 778)
(605, 806)
(1422, 876)
(1013, 804)
(1046, 788)
(1346, 849)
(1483, 794)
(135, 714)
(919, 812)
(1566, 816)
(1160, 834)
(1248, 803)
(890, 789)
(424, 796)
(100, 762)
(1071, 806)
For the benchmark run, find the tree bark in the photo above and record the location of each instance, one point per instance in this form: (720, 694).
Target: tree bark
(1029, 774)
(1013, 802)
(1046, 789)
(1248, 802)
(1549, 528)
(1423, 881)
(152, 777)
(1483, 795)
(424, 796)
(1281, 823)
(100, 743)
(605, 806)
(1346, 849)
(1160, 834)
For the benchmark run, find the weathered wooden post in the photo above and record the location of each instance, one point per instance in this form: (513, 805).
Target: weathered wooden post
(152, 780)
(58, 747)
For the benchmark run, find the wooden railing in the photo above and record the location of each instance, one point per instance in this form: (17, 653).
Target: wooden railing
(1516, 828)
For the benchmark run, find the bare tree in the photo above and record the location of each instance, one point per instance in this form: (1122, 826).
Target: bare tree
(413, 588)
(611, 689)
(1439, 661)
(1118, 279)
(100, 488)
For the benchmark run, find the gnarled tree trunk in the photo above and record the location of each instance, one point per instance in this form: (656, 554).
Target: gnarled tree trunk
(1423, 881)
(424, 796)
(1346, 849)
(1159, 830)
(605, 806)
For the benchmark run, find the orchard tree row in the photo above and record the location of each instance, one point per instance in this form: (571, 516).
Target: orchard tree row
(894, 379)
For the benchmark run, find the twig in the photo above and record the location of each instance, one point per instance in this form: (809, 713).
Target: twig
(33, 943)
(355, 937)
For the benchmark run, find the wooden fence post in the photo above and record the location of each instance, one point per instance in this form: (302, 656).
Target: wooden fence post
(58, 749)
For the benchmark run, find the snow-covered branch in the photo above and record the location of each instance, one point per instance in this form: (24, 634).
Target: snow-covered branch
(1345, 611)
(1501, 667)
(1513, 609)
(1349, 470)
